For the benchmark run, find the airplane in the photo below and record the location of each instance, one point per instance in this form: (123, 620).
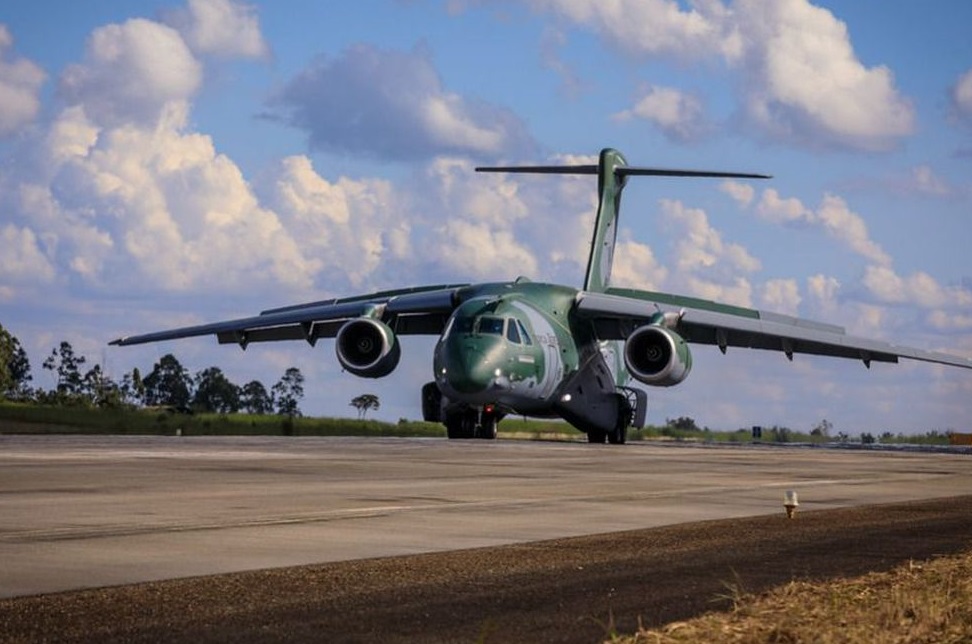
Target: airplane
(547, 350)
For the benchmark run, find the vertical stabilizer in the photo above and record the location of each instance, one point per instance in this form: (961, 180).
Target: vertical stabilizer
(609, 186)
(612, 172)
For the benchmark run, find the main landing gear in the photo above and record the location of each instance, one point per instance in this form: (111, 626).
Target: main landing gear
(632, 405)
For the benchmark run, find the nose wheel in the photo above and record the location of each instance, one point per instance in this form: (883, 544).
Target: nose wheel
(487, 426)
(471, 423)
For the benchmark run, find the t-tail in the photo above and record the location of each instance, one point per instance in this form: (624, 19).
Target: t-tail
(612, 172)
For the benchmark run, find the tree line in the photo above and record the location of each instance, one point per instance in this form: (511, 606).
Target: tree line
(168, 385)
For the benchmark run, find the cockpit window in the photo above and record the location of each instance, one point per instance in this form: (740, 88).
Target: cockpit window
(523, 333)
(461, 325)
(491, 326)
(512, 334)
(512, 328)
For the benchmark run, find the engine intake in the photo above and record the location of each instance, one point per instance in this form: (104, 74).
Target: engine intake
(367, 348)
(657, 356)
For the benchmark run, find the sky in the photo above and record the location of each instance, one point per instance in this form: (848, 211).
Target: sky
(165, 163)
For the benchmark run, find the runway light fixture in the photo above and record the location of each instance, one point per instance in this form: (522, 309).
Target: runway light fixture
(790, 502)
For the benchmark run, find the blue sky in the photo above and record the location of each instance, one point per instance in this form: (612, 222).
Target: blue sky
(167, 163)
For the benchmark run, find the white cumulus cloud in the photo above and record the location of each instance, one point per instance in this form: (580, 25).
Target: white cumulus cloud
(20, 83)
(704, 264)
(478, 238)
(393, 104)
(961, 97)
(345, 227)
(22, 259)
(131, 72)
(680, 116)
(221, 27)
(156, 206)
(849, 227)
(918, 289)
(805, 83)
(636, 266)
(781, 295)
(742, 193)
(799, 77)
(824, 289)
(833, 215)
(659, 27)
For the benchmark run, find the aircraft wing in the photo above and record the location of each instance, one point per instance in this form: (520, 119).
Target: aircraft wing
(618, 312)
(422, 310)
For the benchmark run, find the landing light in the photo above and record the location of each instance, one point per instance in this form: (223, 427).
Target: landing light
(498, 373)
(565, 398)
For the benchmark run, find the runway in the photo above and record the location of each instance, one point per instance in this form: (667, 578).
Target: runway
(82, 512)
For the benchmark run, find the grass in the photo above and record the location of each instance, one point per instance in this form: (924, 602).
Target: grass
(32, 418)
(28, 418)
(22, 418)
(926, 602)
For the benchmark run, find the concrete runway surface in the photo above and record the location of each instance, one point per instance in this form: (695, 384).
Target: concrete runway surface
(82, 512)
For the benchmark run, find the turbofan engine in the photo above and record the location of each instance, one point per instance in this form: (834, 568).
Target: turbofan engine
(657, 356)
(367, 348)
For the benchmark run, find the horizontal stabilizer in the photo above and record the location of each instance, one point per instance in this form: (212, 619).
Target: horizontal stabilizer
(622, 171)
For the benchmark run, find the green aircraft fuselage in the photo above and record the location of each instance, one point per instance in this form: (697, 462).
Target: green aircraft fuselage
(513, 344)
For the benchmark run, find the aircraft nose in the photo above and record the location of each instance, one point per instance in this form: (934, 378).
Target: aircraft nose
(469, 365)
(467, 371)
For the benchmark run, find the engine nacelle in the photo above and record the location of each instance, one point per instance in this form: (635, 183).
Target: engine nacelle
(657, 356)
(368, 348)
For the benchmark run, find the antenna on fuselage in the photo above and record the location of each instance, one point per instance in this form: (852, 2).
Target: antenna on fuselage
(612, 171)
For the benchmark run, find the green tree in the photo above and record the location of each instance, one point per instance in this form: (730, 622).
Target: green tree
(215, 393)
(132, 388)
(683, 423)
(254, 398)
(288, 392)
(822, 430)
(14, 366)
(67, 366)
(168, 384)
(364, 402)
(100, 390)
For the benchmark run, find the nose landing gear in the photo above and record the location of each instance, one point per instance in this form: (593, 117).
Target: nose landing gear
(472, 423)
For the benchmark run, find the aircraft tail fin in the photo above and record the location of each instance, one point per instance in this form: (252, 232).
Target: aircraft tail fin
(612, 172)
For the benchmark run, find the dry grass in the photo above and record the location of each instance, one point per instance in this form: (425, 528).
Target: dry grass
(927, 602)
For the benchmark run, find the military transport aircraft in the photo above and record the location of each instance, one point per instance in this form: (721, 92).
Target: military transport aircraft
(546, 350)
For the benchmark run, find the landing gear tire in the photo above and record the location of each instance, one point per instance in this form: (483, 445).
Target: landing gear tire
(487, 427)
(596, 436)
(618, 436)
(461, 425)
